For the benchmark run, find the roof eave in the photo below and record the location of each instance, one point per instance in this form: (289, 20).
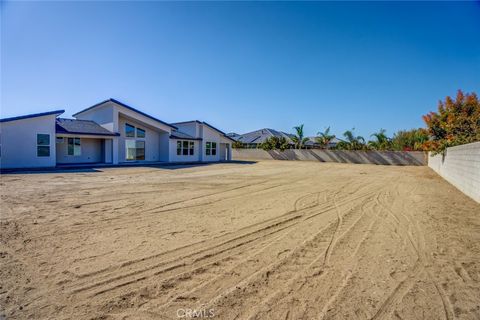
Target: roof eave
(33, 115)
(128, 107)
(183, 138)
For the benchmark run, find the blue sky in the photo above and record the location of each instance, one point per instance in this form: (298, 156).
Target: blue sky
(245, 65)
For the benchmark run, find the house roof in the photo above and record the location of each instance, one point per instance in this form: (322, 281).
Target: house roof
(74, 126)
(312, 141)
(33, 115)
(259, 136)
(127, 107)
(206, 124)
(182, 135)
(233, 135)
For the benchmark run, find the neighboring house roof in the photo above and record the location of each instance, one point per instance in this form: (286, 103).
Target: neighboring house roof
(181, 135)
(206, 124)
(33, 115)
(312, 141)
(125, 106)
(335, 140)
(74, 126)
(259, 136)
(233, 135)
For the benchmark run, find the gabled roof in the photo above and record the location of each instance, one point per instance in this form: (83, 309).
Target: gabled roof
(74, 126)
(259, 136)
(182, 135)
(127, 107)
(206, 124)
(33, 115)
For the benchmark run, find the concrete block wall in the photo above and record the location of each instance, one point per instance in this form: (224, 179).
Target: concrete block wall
(460, 166)
(414, 158)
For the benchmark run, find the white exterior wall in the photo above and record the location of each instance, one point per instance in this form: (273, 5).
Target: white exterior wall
(210, 135)
(113, 117)
(91, 151)
(103, 115)
(18, 141)
(152, 140)
(190, 128)
(164, 147)
(461, 167)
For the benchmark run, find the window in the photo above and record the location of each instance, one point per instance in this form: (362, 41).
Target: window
(73, 147)
(185, 148)
(192, 144)
(214, 148)
(131, 153)
(140, 133)
(129, 130)
(135, 149)
(179, 148)
(140, 150)
(43, 145)
(211, 149)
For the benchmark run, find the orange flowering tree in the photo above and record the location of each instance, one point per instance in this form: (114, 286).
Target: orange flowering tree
(456, 122)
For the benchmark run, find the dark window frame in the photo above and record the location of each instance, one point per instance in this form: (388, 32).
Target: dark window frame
(43, 147)
(211, 148)
(129, 130)
(185, 148)
(142, 131)
(73, 142)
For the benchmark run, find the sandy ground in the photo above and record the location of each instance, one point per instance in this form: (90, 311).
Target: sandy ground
(269, 240)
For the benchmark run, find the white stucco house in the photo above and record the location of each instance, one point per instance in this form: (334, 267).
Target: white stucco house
(109, 132)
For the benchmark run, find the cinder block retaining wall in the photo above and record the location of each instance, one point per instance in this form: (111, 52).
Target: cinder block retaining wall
(414, 158)
(460, 166)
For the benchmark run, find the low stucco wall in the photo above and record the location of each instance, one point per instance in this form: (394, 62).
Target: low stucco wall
(414, 158)
(460, 166)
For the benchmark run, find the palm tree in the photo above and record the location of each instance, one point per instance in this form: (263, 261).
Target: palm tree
(381, 142)
(353, 142)
(299, 138)
(324, 138)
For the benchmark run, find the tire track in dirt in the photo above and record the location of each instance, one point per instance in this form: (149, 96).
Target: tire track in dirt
(296, 254)
(126, 219)
(254, 232)
(270, 225)
(406, 284)
(123, 220)
(192, 245)
(316, 271)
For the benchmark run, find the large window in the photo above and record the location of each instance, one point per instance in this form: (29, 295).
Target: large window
(73, 147)
(185, 148)
(140, 150)
(43, 145)
(211, 149)
(135, 149)
(130, 149)
(130, 131)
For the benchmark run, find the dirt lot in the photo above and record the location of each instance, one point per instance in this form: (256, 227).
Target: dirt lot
(269, 240)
